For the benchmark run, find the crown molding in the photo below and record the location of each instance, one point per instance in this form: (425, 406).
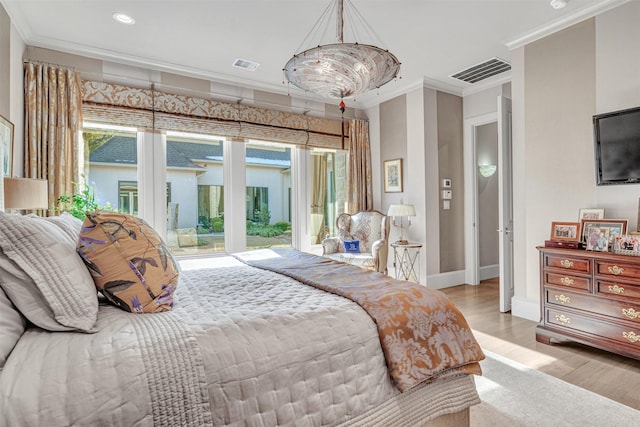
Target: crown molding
(494, 81)
(564, 22)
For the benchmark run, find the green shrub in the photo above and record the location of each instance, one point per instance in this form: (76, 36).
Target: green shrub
(282, 225)
(218, 224)
(80, 202)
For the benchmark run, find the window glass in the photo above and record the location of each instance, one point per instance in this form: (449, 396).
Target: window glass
(268, 201)
(111, 159)
(328, 183)
(195, 208)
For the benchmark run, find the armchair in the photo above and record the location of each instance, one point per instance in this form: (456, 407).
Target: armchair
(371, 229)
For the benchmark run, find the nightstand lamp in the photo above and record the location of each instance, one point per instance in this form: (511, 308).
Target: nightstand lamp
(401, 211)
(25, 193)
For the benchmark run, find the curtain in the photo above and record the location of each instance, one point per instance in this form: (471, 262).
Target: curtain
(318, 192)
(53, 119)
(359, 186)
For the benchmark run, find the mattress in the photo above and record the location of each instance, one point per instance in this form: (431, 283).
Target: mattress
(242, 347)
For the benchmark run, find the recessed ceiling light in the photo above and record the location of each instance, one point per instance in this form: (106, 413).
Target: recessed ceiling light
(558, 4)
(123, 18)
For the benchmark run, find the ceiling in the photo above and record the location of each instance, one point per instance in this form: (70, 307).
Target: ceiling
(202, 38)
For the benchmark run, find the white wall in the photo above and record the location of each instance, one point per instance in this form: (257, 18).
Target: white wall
(559, 82)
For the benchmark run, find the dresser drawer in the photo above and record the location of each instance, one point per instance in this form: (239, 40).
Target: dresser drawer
(592, 304)
(629, 335)
(569, 263)
(617, 269)
(626, 291)
(576, 282)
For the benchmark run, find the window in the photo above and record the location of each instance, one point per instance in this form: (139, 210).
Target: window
(268, 182)
(195, 215)
(111, 159)
(328, 178)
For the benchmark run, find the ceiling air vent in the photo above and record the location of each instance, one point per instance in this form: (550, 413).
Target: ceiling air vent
(482, 71)
(246, 64)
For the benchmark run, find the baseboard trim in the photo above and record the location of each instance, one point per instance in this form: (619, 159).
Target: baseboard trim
(527, 309)
(489, 271)
(446, 280)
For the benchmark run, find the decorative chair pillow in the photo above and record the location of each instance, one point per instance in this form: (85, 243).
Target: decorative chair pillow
(129, 262)
(352, 246)
(44, 277)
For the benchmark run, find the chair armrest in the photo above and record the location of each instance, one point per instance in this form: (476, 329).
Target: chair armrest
(330, 245)
(380, 250)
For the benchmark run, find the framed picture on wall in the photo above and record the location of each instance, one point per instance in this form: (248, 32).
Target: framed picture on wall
(393, 176)
(6, 142)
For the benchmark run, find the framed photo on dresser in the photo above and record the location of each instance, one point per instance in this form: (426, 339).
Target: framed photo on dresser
(595, 229)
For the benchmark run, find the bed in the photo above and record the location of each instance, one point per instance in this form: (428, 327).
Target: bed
(248, 342)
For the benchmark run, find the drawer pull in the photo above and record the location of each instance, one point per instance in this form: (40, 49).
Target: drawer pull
(616, 289)
(566, 263)
(567, 281)
(615, 270)
(564, 319)
(631, 313)
(631, 336)
(564, 299)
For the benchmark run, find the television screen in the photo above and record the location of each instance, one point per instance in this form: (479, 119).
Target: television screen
(617, 147)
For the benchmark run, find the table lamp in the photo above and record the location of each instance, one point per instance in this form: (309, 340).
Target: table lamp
(25, 193)
(401, 211)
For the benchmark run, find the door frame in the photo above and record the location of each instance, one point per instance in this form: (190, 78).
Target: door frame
(471, 259)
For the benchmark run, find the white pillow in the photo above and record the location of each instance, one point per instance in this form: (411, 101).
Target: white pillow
(67, 223)
(12, 326)
(44, 276)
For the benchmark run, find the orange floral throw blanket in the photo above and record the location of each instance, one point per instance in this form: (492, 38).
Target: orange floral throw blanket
(424, 336)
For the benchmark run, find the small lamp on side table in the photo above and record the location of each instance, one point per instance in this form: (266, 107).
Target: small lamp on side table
(401, 211)
(25, 193)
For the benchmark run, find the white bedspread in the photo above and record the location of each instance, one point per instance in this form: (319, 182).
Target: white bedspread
(250, 348)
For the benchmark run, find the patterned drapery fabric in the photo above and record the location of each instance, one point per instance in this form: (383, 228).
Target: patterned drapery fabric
(359, 185)
(52, 123)
(127, 106)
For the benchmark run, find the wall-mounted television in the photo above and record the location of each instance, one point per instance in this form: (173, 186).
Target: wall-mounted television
(616, 137)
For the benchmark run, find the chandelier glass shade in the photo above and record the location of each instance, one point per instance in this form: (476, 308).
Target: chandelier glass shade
(341, 70)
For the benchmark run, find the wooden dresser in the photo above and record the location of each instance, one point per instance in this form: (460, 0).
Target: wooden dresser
(592, 298)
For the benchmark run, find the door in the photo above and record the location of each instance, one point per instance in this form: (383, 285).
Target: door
(505, 203)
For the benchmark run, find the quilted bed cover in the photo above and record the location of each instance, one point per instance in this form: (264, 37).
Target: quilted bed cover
(242, 347)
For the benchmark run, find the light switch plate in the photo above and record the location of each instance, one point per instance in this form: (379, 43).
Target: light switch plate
(446, 204)
(447, 194)
(446, 183)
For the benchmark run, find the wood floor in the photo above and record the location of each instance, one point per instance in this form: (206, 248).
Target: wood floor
(607, 374)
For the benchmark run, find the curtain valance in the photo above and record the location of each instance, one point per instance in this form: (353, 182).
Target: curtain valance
(126, 106)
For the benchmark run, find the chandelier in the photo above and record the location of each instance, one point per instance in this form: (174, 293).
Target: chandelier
(341, 70)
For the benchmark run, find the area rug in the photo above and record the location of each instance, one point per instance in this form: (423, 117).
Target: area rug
(515, 395)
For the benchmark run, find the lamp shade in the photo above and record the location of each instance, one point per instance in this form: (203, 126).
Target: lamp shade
(401, 210)
(25, 193)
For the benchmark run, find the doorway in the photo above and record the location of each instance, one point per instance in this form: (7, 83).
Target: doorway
(482, 164)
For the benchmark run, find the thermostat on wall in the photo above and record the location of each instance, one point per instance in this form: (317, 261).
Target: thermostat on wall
(446, 183)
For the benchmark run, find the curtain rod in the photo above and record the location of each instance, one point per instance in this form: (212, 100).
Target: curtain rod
(37, 62)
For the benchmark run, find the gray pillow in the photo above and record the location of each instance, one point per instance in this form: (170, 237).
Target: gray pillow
(12, 326)
(44, 276)
(67, 223)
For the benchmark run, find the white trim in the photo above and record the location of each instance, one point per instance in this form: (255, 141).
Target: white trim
(527, 309)
(564, 22)
(445, 280)
(235, 180)
(498, 80)
(489, 271)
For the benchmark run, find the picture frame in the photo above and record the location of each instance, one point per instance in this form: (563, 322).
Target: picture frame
(589, 213)
(393, 176)
(611, 228)
(565, 231)
(6, 142)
